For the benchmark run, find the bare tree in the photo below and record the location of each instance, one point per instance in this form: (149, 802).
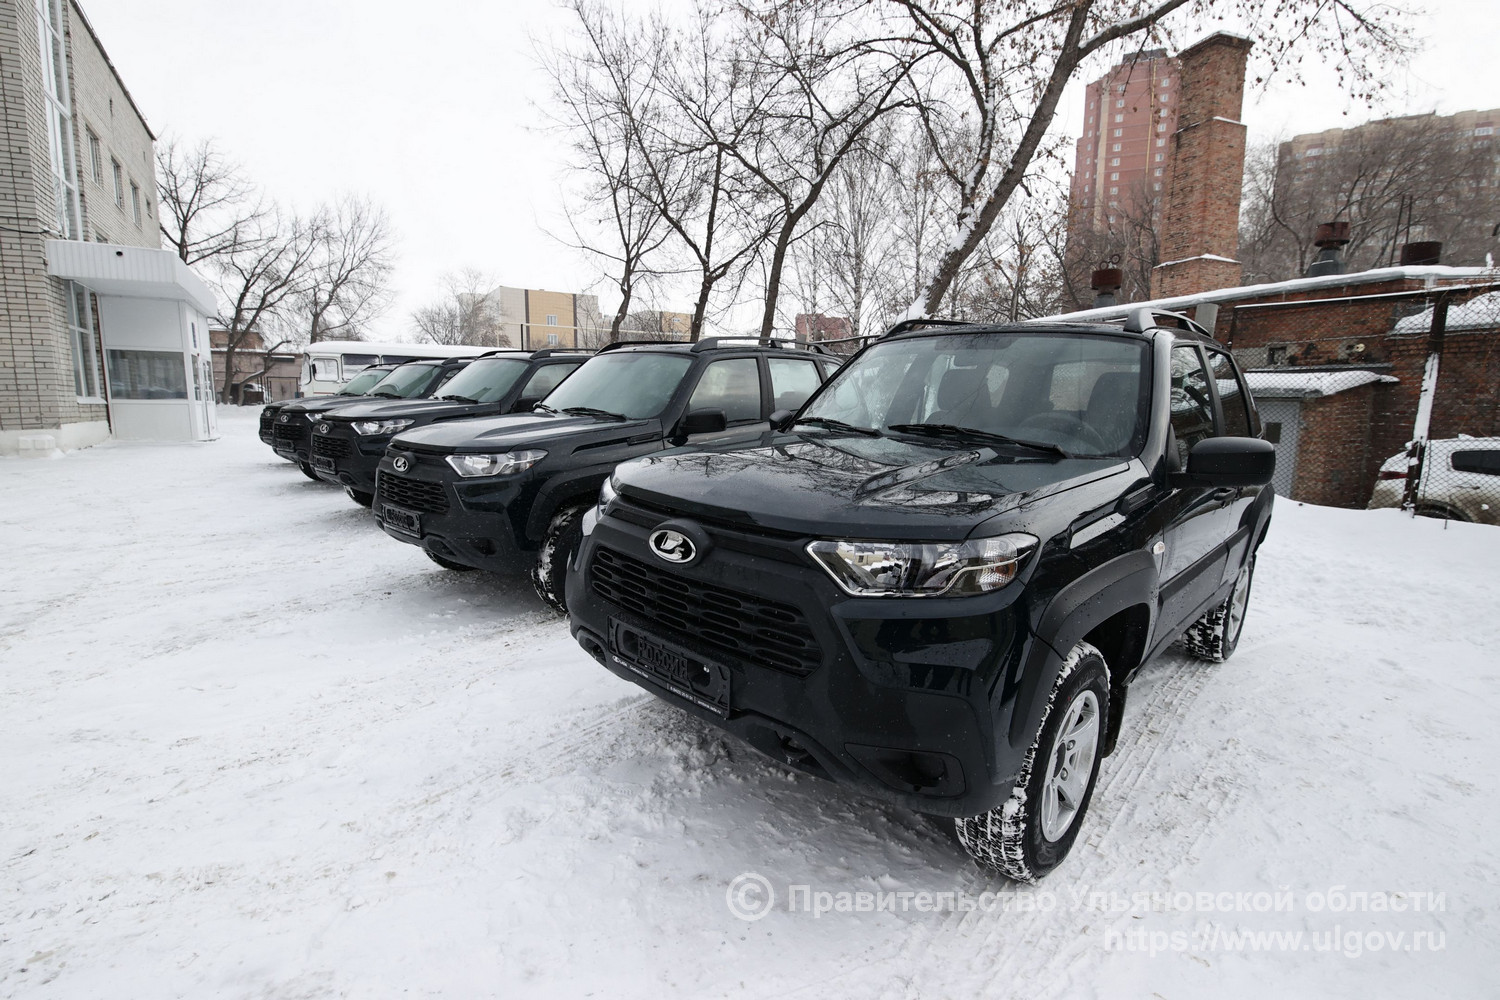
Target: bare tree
(466, 313)
(260, 279)
(346, 284)
(998, 69)
(210, 210)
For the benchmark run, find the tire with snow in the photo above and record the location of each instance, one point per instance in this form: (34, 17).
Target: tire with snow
(307, 470)
(360, 496)
(457, 567)
(1214, 636)
(550, 573)
(1030, 833)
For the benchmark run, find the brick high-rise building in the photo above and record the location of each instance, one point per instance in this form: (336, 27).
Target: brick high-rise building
(1120, 161)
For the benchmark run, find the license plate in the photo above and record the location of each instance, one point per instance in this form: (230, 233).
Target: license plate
(401, 519)
(325, 463)
(681, 671)
(286, 450)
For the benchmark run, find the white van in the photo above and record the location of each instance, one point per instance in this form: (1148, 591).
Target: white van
(329, 364)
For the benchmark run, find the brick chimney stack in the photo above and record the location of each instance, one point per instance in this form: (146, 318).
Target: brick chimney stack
(1200, 226)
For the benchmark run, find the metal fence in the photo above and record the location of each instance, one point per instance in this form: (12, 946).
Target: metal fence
(1389, 400)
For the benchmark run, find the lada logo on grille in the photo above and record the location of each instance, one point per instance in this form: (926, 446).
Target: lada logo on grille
(284, 418)
(323, 428)
(672, 546)
(401, 464)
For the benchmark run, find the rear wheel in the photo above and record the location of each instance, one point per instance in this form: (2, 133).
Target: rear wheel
(1443, 513)
(307, 470)
(550, 574)
(1030, 833)
(360, 496)
(1214, 636)
(449, 563)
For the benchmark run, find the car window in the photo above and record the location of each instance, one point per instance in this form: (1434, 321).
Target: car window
(636, 384)
(1192, 407)
(354, 362)
(733, 386)
(1485, 463)
(1232, 397)
(792, 381)
(546, 378)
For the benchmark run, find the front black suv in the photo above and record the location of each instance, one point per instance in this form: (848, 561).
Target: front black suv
(500, 493)
(348, 443)
(360, 384)
(292, 435)
(935, 581)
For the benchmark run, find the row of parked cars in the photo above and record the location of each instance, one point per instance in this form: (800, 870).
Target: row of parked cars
(930, 573)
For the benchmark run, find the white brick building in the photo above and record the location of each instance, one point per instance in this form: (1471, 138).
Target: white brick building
(101, 331)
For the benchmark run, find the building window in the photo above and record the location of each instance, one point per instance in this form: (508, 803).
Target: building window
(1119, 132)
(147, 375)
(1158, 171)
(1120, 103)
(1114, 190)
(1117, 147)
(1159, 157)
(1156, 187)
(1161, 128)
(96, 157)
(1161, 142)
(551, 320)
(85, 346)
(551, 340)
(1114, 161)
(1166, 81)
(1485, 130)
(1114, 176)
(1119, 118)
(135, 201)
(59, 117)
(119, 175)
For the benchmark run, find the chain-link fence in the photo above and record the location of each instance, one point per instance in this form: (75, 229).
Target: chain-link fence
(1383, 400)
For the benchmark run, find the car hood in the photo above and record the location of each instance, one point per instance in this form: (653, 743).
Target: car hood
(518, 430)
(411, 409)
(855, 486)
(322, 404)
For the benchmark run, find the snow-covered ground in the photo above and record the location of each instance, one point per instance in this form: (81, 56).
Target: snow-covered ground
(253, 748)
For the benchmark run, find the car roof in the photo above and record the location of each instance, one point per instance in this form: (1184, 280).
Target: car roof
(720, 345)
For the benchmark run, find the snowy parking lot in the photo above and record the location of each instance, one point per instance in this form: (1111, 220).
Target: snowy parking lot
(254, 748)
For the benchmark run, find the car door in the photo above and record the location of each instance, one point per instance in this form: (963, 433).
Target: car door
(1470, 483)
(733, 385)
(1238, 417)
(1199, 518)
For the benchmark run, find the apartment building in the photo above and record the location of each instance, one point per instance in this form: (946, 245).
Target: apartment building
(1120, 160)
(102, 333)
(533, 318)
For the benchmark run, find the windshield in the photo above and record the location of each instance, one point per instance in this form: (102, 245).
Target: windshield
(1081, 393)
(364, 382)
(406, 382)
(631, 385)
(486, 380)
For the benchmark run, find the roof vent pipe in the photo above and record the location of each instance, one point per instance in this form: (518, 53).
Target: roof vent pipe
(1421, 253)
(1331, 238)
(1106, 281)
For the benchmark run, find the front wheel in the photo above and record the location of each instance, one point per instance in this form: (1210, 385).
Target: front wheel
(360, 496)
(1030, 833)
(550, 574)
(1215, 636)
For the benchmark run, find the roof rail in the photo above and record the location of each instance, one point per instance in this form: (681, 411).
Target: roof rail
(710, 343)
(1142, 319)
(916, 324)
(500, 350)
(547, 352)
(616, 345)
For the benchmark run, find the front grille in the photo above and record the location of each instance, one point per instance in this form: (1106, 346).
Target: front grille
(267, 421)
(760, 631)
(288, 432)
(330, 447)
(413, 494)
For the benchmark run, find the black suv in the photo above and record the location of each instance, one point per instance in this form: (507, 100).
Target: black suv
(360, 384)
(292, 436)
(500, 493)
(936, 581)
(347, 444)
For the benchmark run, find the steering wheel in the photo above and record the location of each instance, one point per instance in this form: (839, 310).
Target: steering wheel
(1069, 425)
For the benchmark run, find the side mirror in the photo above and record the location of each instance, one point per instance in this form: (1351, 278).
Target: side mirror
(706, 421)
(525, 404)
(1228, 461)
(782, 419)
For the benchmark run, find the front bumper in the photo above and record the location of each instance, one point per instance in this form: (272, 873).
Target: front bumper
(902, 698)
(342, 457)
(292, 440)
(467, 522)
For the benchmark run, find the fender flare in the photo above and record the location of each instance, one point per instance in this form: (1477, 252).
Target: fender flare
(1075, 611)
(578, 485)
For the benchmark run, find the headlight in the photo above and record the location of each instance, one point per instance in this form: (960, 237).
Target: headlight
(380, 426)
(607, 491)
(470, 466)
(923, 569)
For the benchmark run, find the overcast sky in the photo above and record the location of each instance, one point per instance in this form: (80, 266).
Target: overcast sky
(430, 109)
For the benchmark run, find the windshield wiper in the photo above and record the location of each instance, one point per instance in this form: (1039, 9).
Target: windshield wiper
(386, 395)
(589, 411)
(976, 434)
(458, 399)
(838, 425)
(544, 408)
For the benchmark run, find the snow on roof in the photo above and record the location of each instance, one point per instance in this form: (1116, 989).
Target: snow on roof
(1430, 273)
(1479, 313)
(1289, 383)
